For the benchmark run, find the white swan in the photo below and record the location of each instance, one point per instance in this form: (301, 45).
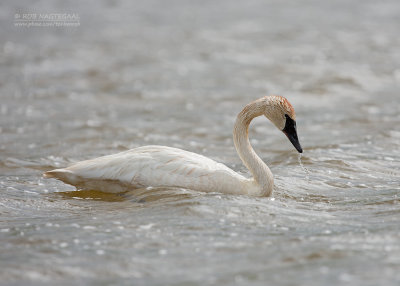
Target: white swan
(161, 166)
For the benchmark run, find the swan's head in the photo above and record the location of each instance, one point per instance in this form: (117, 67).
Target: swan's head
(281, 113)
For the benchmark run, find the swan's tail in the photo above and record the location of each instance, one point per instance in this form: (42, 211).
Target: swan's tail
(89, 184)
(63, 175)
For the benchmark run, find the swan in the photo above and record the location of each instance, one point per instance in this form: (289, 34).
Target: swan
(161, 166)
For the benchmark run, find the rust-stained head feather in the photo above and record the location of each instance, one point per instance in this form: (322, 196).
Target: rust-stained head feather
(285, 105)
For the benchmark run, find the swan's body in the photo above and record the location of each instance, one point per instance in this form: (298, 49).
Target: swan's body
(155, 166)
(161, 166)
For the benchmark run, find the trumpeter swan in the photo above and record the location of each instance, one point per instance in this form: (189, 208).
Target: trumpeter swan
(161, 166)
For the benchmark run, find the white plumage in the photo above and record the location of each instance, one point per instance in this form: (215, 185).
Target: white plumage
(154, 166)
(161, 166)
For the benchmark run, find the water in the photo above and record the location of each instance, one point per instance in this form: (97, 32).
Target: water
(176, 73)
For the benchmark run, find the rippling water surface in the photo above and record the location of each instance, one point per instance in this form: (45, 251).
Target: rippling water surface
(176, 73)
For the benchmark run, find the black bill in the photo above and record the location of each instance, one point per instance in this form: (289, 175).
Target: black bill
(291, 133)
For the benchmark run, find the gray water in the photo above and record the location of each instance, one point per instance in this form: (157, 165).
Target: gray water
(176, 73)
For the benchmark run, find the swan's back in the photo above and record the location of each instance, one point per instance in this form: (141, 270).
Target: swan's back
(156, 166)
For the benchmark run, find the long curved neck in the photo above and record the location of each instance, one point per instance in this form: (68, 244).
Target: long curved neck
(260, 171)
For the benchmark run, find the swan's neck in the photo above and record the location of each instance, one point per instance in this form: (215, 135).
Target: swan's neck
(262, 174)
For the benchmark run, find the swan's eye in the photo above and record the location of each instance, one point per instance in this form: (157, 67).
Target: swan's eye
(290, 124)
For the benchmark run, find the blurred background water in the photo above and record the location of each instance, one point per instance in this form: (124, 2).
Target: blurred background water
(176, 73)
